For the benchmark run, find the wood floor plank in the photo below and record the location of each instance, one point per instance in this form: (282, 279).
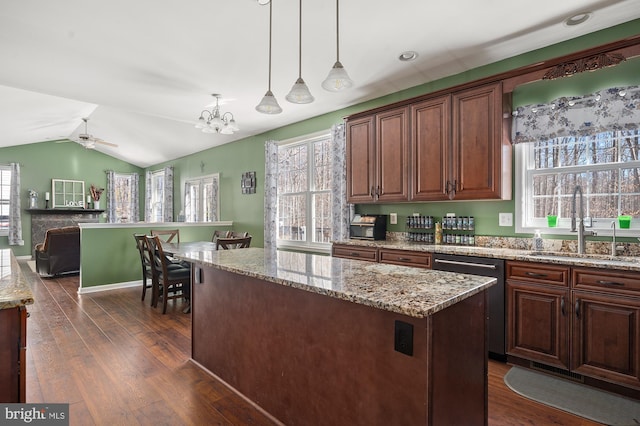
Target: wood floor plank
(118, 361)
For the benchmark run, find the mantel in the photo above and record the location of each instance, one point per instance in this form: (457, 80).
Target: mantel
(64, 211)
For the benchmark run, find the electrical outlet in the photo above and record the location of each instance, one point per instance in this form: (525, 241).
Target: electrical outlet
(505, 219)
(393, 218)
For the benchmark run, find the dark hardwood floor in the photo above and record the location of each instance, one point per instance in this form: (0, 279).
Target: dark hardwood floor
(118, 361)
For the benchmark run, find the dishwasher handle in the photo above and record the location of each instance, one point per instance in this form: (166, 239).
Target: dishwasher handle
(456, 262)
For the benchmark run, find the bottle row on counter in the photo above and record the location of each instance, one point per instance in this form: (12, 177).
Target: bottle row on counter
(428, 230)
(461, 223)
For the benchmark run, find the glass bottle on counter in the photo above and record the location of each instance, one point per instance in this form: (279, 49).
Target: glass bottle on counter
(438, 233)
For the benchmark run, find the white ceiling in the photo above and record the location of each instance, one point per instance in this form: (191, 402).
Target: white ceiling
(144, 70)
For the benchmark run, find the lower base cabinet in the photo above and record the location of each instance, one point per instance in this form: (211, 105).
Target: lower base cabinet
(13, 339)
(582, 320)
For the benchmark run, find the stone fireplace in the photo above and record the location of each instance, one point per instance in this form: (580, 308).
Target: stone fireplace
(43, 219)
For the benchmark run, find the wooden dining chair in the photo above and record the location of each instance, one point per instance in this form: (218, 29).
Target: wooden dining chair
(169, 283)
(167, 235)
(233, 243)
(145, 261)
(219, 234)
(235, 234)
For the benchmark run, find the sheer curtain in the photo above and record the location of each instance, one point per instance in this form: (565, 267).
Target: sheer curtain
(341, 211)
(614, 109)
(270, 194)
(15, 219)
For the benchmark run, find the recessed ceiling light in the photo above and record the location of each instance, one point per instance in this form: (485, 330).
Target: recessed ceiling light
(577, 19)
(407, 56)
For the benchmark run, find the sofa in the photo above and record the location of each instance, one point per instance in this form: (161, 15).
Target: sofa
(60, 251)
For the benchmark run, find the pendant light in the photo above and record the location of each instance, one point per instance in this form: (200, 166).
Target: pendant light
(299, 93)
(338, 79)
(269, 104)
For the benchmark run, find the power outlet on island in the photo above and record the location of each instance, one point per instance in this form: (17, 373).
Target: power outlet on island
(505, 219)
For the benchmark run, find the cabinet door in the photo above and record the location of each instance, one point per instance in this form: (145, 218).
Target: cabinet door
(13, 329)
(606, 339)
(477, 143)
(392, 145)
(430, 149)
(360, 160)
(538, 323)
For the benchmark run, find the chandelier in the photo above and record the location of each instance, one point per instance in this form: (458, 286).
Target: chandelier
(214, 122)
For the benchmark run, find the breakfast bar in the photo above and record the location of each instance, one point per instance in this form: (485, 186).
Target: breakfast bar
(313, 339)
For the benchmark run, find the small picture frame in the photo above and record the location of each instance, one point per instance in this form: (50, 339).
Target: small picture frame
(248, 183)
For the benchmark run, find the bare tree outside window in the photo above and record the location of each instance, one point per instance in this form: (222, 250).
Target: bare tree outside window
(605, 165)
(304, 192)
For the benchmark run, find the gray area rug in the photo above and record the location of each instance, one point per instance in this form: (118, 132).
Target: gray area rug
(583, 401)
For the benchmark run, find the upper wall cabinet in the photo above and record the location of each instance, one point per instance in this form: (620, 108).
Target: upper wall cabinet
(377, 157)
(442, 148)
(477, 146)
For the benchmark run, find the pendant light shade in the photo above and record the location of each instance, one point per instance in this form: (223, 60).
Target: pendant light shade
(300, 93)
(269, 104)
(338, 79)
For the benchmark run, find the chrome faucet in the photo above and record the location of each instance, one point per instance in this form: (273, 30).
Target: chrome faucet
(580, 229)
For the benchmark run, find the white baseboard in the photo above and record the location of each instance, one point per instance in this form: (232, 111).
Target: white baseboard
(105, 287)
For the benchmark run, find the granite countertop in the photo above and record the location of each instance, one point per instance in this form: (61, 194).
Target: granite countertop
(626, 263)
(415, 292)
(14, 290)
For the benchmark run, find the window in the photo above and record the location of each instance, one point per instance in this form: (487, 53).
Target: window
(157, 201)
(125, 190)
(304, 193)
(5, 194)
(201, 199)
(606, 166)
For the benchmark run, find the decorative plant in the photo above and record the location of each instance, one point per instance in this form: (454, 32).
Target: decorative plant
(33, 193)
(96, 192)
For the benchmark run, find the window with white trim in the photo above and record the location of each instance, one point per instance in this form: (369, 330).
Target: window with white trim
(5, 194)
(606, 166)
(201, 199)
(157, 195)
(304, 193)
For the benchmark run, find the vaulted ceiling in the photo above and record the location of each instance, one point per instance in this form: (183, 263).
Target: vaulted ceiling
(142, 71)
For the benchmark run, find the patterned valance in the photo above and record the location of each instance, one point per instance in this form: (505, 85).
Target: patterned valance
(613, 109)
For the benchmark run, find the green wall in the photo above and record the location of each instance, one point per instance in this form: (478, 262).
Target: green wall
(47, 160)
(41, 162)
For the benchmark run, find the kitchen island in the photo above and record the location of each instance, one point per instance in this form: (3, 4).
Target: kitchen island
(320, 340)
(15, 295)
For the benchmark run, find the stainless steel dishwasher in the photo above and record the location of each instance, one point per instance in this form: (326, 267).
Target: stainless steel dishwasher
(486, 267)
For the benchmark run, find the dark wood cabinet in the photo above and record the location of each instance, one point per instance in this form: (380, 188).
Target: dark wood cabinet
(441, 148)
(360, 160)
(377, 157)
(13, 343)
(477, 145)
(538, 321)
(538, 324)
(582, 320)
(383, 255)
(430, 149)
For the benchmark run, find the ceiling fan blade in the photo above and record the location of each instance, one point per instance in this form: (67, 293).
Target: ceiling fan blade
(105, 142)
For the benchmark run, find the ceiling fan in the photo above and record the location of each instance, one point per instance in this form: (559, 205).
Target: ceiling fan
(89, 141)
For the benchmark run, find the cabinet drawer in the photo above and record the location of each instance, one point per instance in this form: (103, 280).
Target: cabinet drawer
(538, 273)
(352, 252)
(407, 258)
(622, 282)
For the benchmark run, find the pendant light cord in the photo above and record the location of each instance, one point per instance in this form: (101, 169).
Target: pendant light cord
(337, 30)
(270, 25)
(300, 41)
